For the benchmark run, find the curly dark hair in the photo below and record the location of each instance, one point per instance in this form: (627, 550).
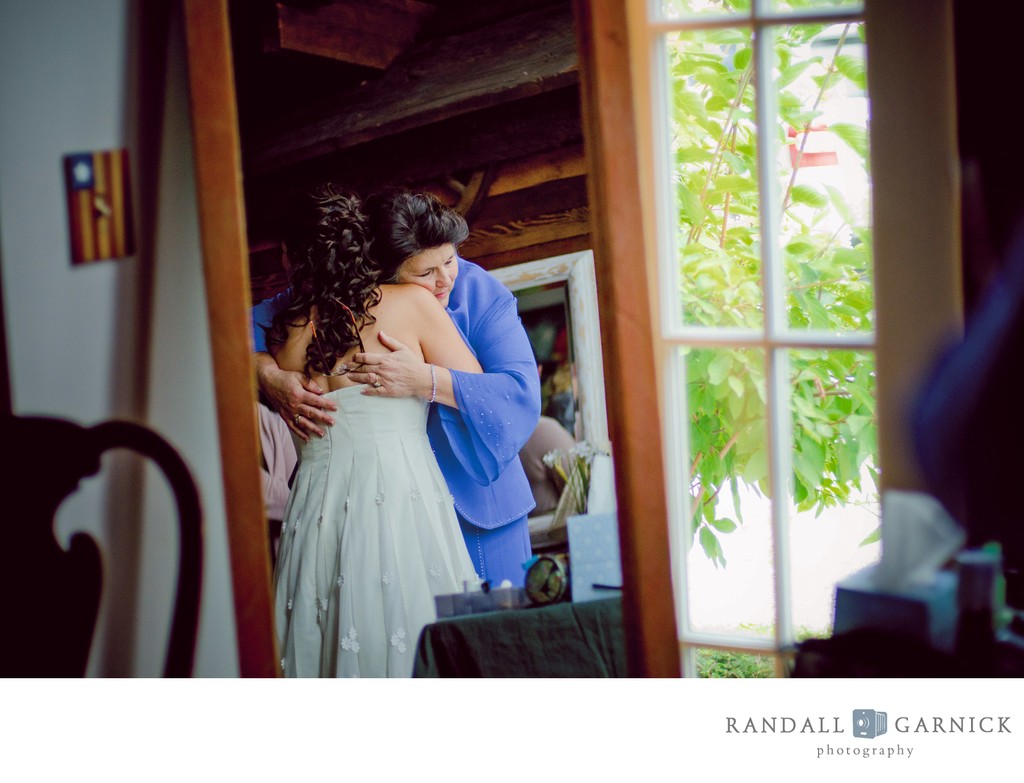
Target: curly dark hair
(325, 237)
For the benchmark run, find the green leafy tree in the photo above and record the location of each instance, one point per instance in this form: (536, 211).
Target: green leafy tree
(825, 253)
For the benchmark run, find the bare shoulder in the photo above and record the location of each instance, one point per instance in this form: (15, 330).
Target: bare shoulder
(408, 296)
(406, 291)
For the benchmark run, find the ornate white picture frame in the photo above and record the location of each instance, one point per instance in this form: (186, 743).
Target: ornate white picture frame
(577, 271)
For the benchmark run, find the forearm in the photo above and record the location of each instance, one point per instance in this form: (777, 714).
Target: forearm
(265, 365)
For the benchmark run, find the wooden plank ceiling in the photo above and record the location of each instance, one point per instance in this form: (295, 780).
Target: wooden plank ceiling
(475, 102)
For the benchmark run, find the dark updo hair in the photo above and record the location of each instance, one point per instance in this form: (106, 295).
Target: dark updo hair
(403, 224)
(325, 238)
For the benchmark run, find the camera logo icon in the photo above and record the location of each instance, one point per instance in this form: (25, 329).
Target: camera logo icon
(869, 723)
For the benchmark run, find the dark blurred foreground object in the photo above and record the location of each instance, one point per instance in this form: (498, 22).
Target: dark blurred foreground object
(54, 593)
(881, 654)
(968, 430)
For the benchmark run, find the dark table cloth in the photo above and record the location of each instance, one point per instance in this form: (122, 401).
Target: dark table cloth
(561, 640)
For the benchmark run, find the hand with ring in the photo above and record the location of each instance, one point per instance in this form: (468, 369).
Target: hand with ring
(298, 399)
(398, 373)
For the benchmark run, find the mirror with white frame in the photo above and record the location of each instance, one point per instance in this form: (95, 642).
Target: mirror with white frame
(564, 283)
(576, 272)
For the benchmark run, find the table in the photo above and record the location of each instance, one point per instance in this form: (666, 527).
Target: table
(562, 640)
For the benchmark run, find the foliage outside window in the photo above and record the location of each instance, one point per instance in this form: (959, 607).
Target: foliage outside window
(822, 221)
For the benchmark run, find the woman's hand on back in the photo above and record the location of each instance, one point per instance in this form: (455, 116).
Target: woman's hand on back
(399, 373)
(295, 397)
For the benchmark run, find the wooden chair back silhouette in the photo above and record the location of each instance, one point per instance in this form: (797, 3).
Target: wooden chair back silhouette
(55, 603)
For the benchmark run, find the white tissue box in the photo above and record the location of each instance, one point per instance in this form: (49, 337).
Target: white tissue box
(925, 612)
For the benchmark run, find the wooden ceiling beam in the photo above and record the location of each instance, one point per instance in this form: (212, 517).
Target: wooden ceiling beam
(514, 132)
(549, 196)
(552, 211)
(527, 232)
(532, 252)
(433, 81)
(547, 166)
(370, 33)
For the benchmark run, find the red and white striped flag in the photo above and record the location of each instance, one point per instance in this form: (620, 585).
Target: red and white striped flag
(99, 205)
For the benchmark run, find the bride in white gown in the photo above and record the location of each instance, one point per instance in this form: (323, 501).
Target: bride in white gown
(370, 534)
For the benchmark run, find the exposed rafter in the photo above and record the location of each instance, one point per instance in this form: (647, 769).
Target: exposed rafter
(370, 33)
(436, 80)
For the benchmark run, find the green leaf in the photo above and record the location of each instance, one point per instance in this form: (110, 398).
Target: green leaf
(729, 36)
(691, 205)
(857, 423)
(723, 524)
(734, 488)
(789, 75)
(862, 396)
(856, 136)
(716, 103)
(809, 462)
(873, 537)
(742, 58)
(719, 368)
(805, 194)
(692, 154)
(852, 258)
(735, 183)
(688, 102)
(736, 401)
(709, 543)
(853, 68)
(800, 493)
(800, 248)
(737, 386)
(756, 469)
(739, 164)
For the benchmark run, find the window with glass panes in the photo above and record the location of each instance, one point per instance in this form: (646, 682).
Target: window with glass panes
(767, 318)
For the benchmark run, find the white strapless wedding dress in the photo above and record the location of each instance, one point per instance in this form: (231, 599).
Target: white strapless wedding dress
(369, 538)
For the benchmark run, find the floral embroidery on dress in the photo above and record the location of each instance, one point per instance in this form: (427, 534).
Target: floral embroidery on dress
(416, 494)
(341, 580)
(283, 662)
(434, 571)
(291, 603)
(349, 642)
(398, 640)
(380, 498)
(386, 577)
(346, 504)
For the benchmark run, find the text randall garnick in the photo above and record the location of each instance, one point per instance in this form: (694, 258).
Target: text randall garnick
(778, 724)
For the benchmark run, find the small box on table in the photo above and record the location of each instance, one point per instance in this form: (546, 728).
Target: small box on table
(924, 612)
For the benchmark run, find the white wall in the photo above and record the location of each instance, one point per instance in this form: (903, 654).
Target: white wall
(115, 339)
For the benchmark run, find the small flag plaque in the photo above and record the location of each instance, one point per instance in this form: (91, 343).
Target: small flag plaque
(99, 205)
